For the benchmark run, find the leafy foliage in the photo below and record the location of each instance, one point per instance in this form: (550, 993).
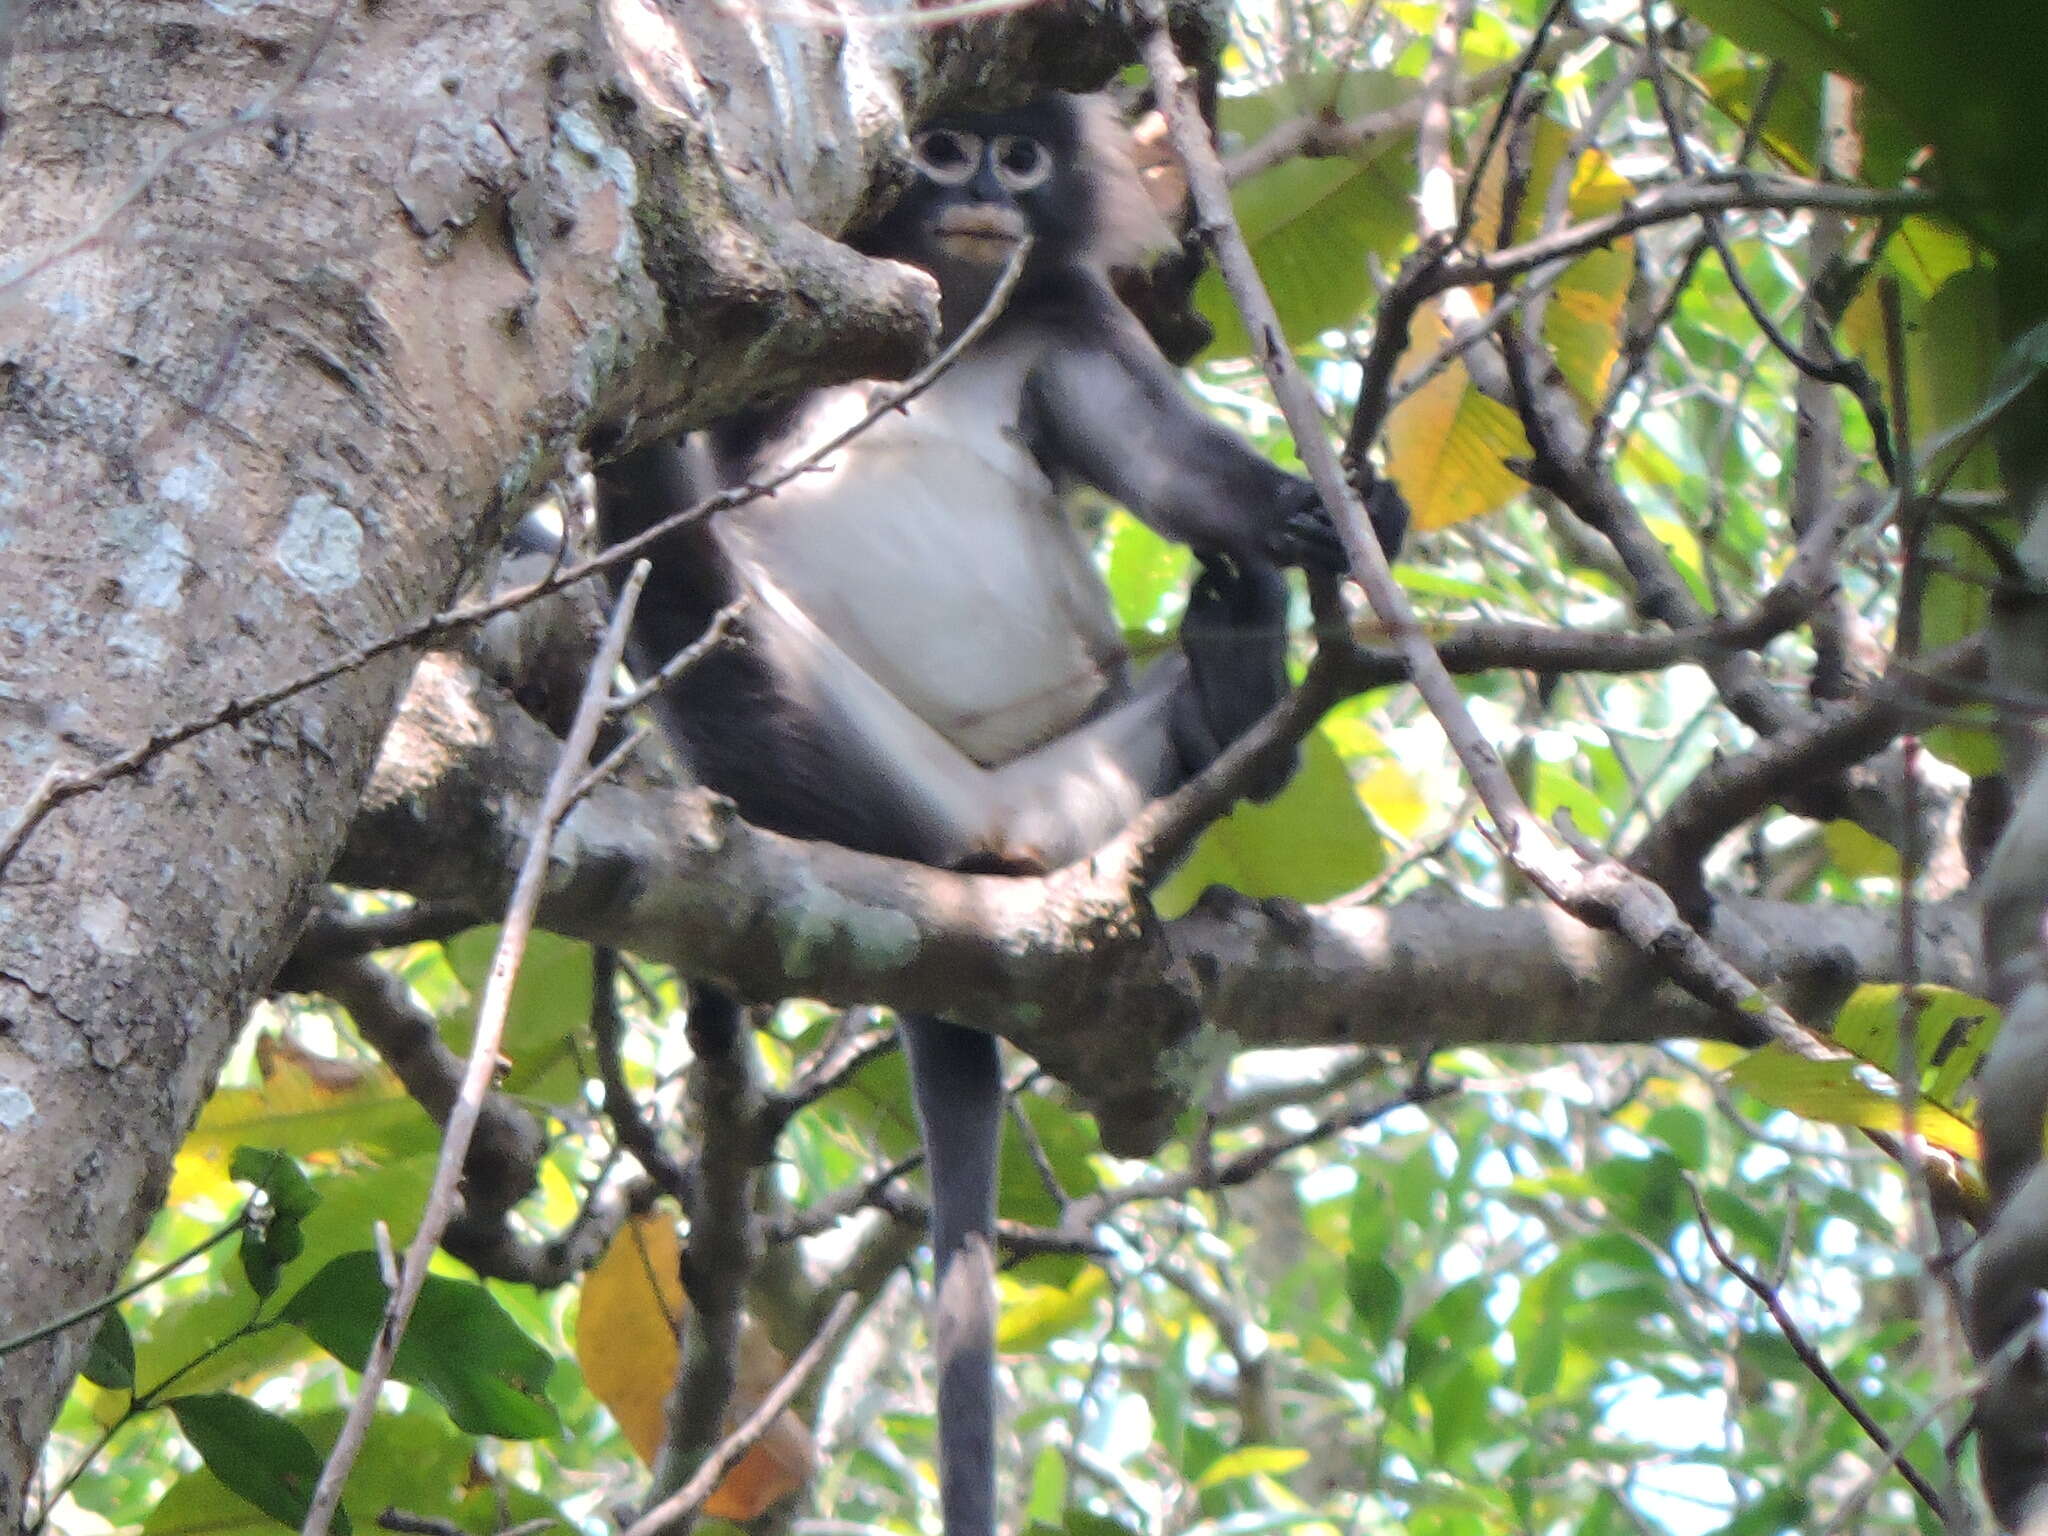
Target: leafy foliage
(461, 1346)
(1533, 1305)
(265, 1459)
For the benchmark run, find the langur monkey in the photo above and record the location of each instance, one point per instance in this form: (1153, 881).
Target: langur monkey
(927, 665)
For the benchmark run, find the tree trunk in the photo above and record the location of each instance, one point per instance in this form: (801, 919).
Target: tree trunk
(303, 297)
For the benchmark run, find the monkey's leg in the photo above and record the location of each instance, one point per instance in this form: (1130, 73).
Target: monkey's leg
(1234, 636)
(860, 767)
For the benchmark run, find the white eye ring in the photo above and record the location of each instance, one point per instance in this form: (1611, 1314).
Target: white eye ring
(1020, 163)
(947, 156)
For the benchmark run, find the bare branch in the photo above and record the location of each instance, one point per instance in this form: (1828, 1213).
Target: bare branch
(482, 1065)
(1598, 891)
(1810, 1357)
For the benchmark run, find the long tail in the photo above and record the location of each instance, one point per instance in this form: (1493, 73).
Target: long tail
(956, 1076)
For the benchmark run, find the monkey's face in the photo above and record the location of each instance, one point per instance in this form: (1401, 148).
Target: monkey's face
(976, 213)
(983, 184)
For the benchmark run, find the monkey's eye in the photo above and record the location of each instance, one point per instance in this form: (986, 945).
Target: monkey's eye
(947, 155)
(1020, 163)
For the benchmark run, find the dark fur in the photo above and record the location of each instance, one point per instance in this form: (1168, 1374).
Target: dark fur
(760, 720)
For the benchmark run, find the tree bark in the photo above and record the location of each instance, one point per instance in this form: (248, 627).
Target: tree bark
(302, 298)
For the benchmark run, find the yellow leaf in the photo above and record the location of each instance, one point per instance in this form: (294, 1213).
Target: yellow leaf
(1034, 1315)
(1845, 1091)
(1252, 1461)
(1858, 853)
(627, 1324)
(1446, 443)
(1395, 797)
(782, 1460)
(305, 1104)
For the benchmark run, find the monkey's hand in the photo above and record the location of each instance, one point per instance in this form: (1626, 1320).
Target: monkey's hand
(1234, 636)
(1306, 534)
(1303, 534)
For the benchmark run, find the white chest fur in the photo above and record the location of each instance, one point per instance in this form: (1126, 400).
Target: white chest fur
(936, 553)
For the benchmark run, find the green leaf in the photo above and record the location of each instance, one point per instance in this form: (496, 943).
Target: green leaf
(282, 1182)
(1449, 1330)
(1048, 1489)
(1973, 749)
(1375, 1292)
(1172, 1390)
(1144, 571)
(265, 1252)
(1538, 1362)
(352, 1202)
(461, 1346)
(1068, 1140)
(1683, 1130)
(1912, 54)
(1779, 1510)
(1614, 1272)
(1312, 223)
(1539, 1342)
(413, 1460)
(1645, 1193)
(550, 1009)
(1742, 1224)
(1082, 1522)
(1951, 1032)
(273, 1236)
(1371, 1215)
(1458, 1403)
(1311, 842)
(110, 1359)
(263, 1458)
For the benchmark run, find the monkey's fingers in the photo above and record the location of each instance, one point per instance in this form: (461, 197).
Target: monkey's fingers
(1308, 538)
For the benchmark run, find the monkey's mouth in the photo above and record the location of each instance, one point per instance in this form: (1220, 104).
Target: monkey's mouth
(982, 235)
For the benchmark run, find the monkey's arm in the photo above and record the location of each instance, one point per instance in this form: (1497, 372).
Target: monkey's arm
(1110, 409)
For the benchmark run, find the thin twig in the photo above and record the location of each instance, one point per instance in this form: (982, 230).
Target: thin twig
(676, 1514)
(1436, 193)
(611, 762)
(483, 1059)
(619, 1104)
(1242, 1167)
(1710, 193)
(1831, 369)
(1315, 136)
(714, 634)
(1810, 1357)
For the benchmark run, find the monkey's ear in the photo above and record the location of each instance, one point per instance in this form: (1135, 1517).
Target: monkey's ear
(1166, 185)
(1129, 228)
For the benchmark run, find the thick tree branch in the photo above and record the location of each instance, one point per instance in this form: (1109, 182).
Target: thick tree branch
(675, 878)
(504, 1154)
